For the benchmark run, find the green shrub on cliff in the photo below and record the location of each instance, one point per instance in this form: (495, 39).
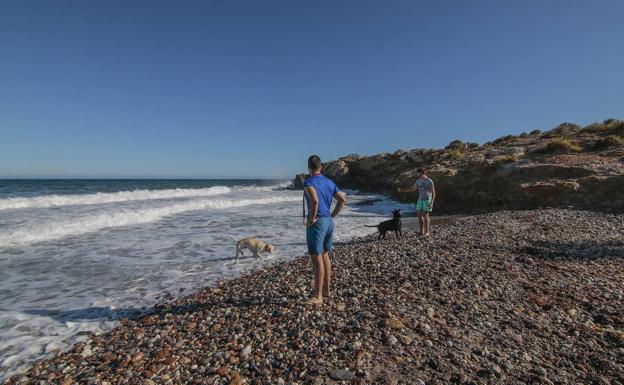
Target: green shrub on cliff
(613, 126)
(564, 129)
(608, 142)
(507, 159)
(504, 139)
(535, 132)
(455, 154)
(616, 127)
(594, 128)
(562, 145)
(455, 144)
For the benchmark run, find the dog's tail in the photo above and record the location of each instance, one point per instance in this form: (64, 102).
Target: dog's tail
(370, 226)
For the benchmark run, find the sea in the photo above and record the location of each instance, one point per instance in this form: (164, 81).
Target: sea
(78, 255)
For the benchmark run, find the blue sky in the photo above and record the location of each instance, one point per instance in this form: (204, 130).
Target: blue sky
(251, 88)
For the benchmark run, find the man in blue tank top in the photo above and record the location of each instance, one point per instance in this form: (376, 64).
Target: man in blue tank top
(319, 193)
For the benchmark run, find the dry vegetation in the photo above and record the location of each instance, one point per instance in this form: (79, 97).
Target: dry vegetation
(562, 145)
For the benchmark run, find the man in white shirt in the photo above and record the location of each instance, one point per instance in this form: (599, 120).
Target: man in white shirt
(426, 196)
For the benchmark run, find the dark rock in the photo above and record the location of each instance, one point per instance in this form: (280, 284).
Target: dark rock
(341, 374)
(297, 183)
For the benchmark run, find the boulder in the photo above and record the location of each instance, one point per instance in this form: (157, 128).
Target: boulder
(297, 183)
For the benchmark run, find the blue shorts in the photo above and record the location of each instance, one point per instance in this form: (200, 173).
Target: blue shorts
(320, 236)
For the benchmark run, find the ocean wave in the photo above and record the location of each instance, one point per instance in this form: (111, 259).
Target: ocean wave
(125, 217)
(100, 197)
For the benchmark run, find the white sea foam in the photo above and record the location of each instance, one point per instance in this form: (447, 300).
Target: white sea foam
(113, 197)
(127, 217)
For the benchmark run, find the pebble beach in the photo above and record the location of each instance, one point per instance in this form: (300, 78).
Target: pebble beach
(512, 297)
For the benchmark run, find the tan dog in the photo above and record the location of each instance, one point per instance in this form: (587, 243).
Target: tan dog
(255, 245)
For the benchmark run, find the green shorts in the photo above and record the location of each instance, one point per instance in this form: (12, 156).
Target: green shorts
(423, 206)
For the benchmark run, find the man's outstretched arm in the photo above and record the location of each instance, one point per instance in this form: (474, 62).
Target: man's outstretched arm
(341, 197)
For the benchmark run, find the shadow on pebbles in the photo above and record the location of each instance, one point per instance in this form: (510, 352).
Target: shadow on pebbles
(513, 297)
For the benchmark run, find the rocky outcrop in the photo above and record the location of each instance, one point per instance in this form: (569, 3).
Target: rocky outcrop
(568, 166)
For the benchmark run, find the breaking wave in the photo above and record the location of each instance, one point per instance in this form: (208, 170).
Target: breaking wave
(100, 198)
(125, 217)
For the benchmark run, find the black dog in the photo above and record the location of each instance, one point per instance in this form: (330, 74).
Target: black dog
(393, 224)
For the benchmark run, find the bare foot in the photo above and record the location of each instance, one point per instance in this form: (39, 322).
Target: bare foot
(314, 301)
(426, 234)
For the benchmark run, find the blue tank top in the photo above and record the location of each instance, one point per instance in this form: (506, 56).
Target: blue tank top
(325, 190)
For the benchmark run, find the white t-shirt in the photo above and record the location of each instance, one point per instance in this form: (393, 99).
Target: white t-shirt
(425, 188)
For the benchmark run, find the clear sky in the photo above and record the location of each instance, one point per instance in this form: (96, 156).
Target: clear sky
(233, 88)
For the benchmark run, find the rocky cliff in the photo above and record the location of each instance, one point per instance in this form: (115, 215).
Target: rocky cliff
(568, 166)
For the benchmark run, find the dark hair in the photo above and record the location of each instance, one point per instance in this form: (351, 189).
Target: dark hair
(422, 171)
(314, 163)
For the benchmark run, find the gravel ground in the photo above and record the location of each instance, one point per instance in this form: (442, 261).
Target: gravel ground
(520, 297)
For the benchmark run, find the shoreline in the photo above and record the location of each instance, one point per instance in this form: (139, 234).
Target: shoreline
(168, 295)
(402, 310)
(128, 272)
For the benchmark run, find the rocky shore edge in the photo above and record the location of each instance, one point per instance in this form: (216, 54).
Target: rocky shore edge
(512, 297)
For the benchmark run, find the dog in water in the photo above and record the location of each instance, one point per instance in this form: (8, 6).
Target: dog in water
(255, 245)
(393, 224)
